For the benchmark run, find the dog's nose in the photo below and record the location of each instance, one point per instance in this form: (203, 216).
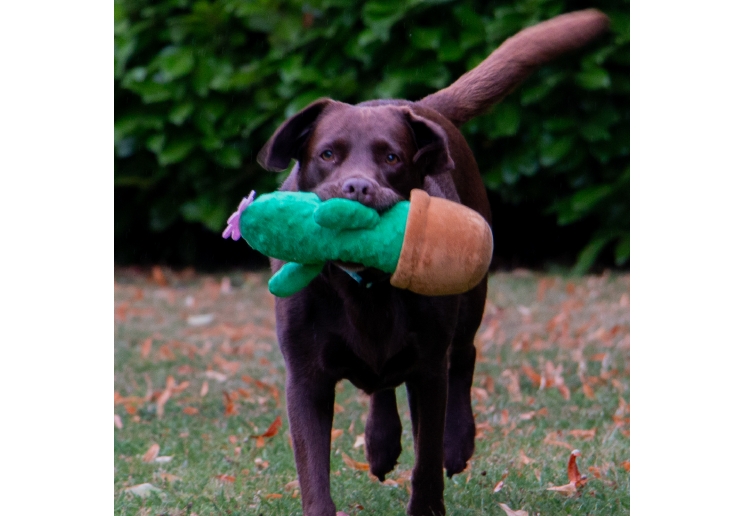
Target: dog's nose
(358, 189)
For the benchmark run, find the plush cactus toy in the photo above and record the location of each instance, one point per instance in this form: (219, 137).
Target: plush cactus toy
(431, 246)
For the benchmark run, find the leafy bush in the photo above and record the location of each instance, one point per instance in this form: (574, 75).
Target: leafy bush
(200, 86)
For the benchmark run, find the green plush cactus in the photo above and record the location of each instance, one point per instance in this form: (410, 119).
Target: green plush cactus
(299, 228)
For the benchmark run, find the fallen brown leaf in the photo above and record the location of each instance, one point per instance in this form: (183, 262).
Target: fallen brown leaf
(272, 496)
(204, 389)
(151, 453)
(230, 367)
(273, 428)
(245, 393)
(588, 390)
(554, 438)
(117, 422)
(621, 413)
(599, 471)
(583, 434)
(361, 466)
(294, 484)
(146, 348)
(500, 484)
(185, 370)
(225, 478)
(169, 477)
(405, 475)
(482, 428)
(533, 375)
(573, 470)
(336, 433)
(526, 416)
(479, 394)
(148, 384)
(512, 384)
(164, 396)
(143, 490)
(490, 384)
(215, 375)
(524, 459)
(553, 377)
(275, 393)
(568, 489)
(575, 480)
(504, 417)
(178, 389)
(230, 407)
(508, 510)
(270, 432)
(190, 411)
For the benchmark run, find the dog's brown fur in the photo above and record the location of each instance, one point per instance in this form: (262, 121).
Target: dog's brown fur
(379, 337)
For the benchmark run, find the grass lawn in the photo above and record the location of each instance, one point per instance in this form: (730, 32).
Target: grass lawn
(199, 377)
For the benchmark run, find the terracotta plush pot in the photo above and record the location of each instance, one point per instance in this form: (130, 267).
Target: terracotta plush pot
(446, 250)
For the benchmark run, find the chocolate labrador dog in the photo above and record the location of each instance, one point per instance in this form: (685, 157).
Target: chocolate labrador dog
(350, 322)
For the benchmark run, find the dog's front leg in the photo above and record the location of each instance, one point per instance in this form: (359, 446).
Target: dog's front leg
(427, 397)
(310, 409)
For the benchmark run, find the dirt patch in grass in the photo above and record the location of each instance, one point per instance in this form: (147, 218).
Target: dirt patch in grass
(201, 427)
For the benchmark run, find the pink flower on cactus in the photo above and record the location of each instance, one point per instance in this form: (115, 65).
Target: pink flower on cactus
(233, 223)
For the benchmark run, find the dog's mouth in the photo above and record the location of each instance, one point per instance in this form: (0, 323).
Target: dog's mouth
(382, 200)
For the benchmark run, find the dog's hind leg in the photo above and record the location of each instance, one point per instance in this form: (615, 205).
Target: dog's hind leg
(382, 433)
(459, 432)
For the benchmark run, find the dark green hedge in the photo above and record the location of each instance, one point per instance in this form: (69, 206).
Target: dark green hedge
(200, 86)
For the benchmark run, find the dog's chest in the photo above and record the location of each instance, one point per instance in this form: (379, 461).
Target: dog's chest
(375, 328)
(373, 342)
(371, 364)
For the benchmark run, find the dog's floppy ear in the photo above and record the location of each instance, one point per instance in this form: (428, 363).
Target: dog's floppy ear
(433, 156)
(433, 145)
(286, 142)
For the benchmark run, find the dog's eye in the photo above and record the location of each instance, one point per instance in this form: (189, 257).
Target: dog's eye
(327, 155)
(391, 159)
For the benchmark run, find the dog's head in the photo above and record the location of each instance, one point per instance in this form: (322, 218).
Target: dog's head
(372, 154)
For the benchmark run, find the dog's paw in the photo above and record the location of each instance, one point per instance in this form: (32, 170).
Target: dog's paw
(459, 444)
(382, 454)
(455, 466)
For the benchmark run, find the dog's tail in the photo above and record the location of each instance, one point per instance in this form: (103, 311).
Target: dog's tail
(511, 63)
